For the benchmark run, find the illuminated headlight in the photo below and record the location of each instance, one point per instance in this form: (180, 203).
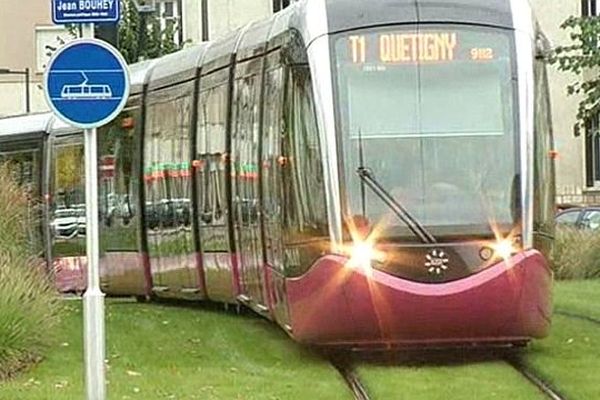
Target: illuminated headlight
(502, 248)
(363, 255)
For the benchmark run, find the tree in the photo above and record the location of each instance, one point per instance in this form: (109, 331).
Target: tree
(141, 36)
(582, 55)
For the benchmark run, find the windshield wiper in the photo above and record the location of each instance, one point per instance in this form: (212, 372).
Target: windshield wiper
(367, 176)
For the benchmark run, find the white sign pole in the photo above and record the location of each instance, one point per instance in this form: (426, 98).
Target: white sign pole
(93, 299)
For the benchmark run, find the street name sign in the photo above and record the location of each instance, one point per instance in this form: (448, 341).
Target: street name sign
(87, 83)
(85, 11)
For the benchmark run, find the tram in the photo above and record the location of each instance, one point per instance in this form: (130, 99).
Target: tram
(363, 176)
(85, 91)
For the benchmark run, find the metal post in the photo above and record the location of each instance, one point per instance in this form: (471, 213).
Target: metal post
(93, 298)
(205, 19)
(27, 98)
(141, 55)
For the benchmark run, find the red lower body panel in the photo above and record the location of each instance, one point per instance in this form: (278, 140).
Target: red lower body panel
(70, 274)
(336, 305)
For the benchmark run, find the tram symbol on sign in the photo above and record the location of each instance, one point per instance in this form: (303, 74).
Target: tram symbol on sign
(84, 91)
(87, 83)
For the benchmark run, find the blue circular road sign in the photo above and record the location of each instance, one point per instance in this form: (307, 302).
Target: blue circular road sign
(87, 83)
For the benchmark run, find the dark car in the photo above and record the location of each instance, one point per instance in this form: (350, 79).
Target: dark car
(580, 218)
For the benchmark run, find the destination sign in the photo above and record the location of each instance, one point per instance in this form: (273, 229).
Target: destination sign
(411, 47)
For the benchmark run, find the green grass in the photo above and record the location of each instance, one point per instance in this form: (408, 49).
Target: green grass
(172, 352)
(475, 380)
(578, 297)
(164, 352)
(570, 358)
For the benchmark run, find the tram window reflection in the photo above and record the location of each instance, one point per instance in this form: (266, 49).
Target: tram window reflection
(436, 130)
(68, 215)
(210, 164)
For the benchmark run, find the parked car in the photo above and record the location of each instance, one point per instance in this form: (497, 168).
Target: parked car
(580, 218)
(68, 222)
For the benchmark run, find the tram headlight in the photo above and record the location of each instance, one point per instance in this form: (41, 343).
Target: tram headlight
(502, 248)
(362, 255)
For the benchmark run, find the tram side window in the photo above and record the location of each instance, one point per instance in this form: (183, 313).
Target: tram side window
(118, 181)
(116, 152)
(305, 213)
(68, 198)
(210, 164)
(166, 161)
(272, 138)
(245, 143)
(272, 162)
(544, 168)
(69, 189)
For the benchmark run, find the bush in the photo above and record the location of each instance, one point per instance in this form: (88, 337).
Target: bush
(29, 304)
(576, 254)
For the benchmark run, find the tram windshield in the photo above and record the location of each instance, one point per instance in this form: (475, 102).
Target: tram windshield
(431, 112)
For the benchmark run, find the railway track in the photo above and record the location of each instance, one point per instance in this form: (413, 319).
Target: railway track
(351, 378)
(359, 391)
(578, 316)
(549, 391)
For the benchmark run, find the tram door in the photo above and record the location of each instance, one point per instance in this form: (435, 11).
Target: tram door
(273, 162)
(245, 173)
(168, 193)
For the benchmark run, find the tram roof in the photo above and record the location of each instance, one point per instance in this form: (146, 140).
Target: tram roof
(176, 67)
(348, 14)
(304, 16)
(140, 75)
(59, 127)
(25, 124)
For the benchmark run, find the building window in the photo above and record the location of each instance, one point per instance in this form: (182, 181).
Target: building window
(589, 8)
(169, 12)
(280, 4)
(592, 153)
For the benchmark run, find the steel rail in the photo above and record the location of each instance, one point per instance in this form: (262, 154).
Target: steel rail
(352, 380)
(578, 316)
(543, 386)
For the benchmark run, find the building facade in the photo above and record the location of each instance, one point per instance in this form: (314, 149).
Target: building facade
(28, 38)
(208, 19)
(578, 162)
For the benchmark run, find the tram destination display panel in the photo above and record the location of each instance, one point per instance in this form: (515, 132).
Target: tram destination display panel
(431, 111)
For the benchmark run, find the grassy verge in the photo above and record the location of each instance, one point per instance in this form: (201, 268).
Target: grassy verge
(578, 297)
(576, 254)
(475, 380)
(29, 305)
(161, 352)
(569, 358)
